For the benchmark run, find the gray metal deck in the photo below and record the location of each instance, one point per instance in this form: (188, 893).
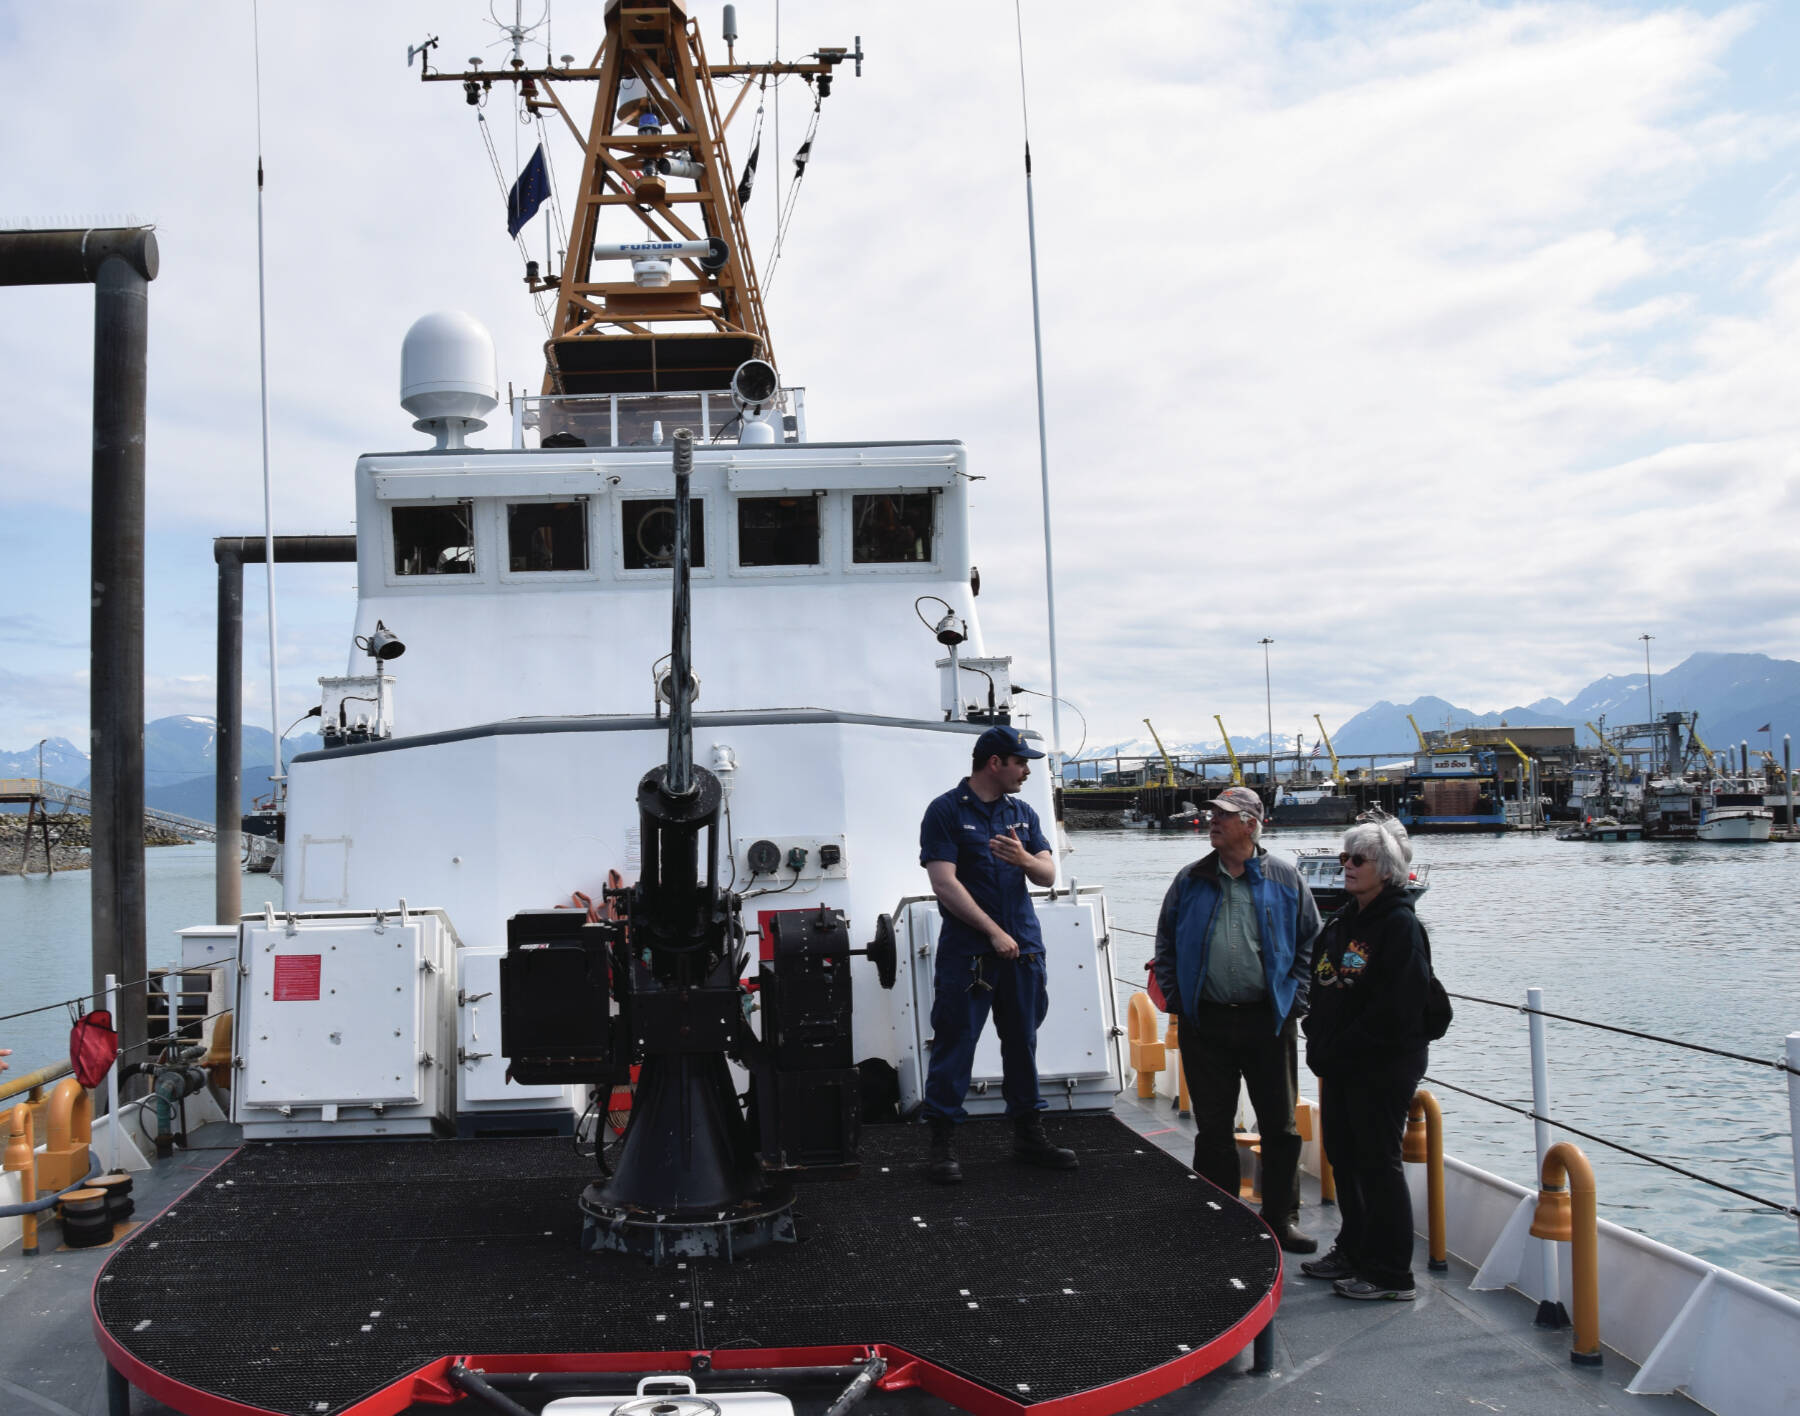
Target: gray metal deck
(1450, 1350)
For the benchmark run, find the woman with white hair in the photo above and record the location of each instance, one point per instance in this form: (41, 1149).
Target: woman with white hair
(1366, 1042)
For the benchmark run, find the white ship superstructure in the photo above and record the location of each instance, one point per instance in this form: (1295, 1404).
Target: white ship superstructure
(492, 768)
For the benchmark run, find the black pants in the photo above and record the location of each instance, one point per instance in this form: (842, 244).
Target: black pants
(1221, 1043)
(1365, 1123)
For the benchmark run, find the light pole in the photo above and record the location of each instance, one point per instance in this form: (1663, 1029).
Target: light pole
(41, 742)
(1649, 700)
(1269, 711)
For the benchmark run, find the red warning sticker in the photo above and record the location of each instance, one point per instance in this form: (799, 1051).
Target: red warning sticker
(297, 978)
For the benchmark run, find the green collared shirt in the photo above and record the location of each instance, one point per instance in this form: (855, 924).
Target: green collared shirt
(1234, 966)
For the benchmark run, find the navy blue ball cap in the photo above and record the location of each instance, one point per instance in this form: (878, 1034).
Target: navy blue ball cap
(1003, 742)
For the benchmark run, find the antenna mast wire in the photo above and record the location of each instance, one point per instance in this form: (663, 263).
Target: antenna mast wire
(1037, 340)
(262, 342)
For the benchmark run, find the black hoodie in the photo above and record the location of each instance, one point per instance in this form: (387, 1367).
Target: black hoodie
(1371, 981)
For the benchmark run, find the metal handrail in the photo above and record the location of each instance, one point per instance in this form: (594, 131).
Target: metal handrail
(82, 800)
(11, 1086)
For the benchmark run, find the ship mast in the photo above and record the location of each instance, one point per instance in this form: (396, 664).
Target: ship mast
(654, 149)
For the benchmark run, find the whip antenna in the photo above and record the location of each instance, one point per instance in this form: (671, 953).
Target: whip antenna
(1037, 341)
(262, 344)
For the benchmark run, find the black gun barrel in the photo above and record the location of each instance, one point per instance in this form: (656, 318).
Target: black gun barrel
(679, 780)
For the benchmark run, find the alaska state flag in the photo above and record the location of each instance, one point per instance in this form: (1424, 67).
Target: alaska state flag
(528, 193)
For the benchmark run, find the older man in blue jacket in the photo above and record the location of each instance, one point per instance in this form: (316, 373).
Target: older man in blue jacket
(1234, 949)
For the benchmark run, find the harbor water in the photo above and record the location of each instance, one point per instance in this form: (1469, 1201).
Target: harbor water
(1687, 941)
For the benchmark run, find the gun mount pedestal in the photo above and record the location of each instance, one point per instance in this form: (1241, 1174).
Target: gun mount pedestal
(688, 1182)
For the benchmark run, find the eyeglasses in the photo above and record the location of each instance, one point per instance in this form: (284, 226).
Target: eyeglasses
(1345, 858)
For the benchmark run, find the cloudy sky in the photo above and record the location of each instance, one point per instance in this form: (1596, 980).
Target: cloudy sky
(1450, 345)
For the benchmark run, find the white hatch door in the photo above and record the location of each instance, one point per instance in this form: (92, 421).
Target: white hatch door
(482, 1073)
(1073, 1040)
(334, 1016)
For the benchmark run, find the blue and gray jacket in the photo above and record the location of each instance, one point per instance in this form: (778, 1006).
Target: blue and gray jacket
(1286, 918)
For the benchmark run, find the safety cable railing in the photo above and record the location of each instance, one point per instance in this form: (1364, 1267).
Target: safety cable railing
(55, 1071)
(1779, 1064)
(1789, 1210)
(82, 999)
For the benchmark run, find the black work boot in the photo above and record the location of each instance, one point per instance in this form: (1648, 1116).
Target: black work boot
(942, 1167)
(1032, 1147)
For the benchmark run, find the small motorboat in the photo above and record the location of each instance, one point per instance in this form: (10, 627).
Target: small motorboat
(1603, 828)
(1324, 876)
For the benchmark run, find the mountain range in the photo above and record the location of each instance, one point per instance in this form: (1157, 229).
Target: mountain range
(179, 759)
(1735, 695)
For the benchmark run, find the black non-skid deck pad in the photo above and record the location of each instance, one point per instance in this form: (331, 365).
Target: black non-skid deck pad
(301, 1277)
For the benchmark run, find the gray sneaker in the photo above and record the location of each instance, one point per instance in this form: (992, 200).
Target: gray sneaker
(1361, 1288)
(1332, 1266)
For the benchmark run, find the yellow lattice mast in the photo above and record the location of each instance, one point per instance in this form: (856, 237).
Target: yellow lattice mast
(631, 318)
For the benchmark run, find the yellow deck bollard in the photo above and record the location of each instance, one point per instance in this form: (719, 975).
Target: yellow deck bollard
(1425, 1146)
(19, 1156)
(1327, 1181)
(1147, 1051)
(218, 1056)
(67, 1133)
(1249, 1146)
(1568, 1213)
(1172, 1047)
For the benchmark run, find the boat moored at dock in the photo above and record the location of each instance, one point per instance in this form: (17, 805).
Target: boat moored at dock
(1457, 790)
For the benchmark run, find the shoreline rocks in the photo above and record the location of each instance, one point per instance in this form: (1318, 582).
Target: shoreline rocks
(71, 835)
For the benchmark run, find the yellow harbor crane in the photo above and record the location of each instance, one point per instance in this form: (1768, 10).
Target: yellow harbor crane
(1237, 771)
(1337, 775)
(1712, 766)
(1168, 766)
(1617, 756)
(1423, 745)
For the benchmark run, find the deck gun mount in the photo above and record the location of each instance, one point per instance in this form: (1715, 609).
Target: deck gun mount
(659, 988)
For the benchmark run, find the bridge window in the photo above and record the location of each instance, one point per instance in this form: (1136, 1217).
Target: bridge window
(434, 540)
(547, 535)
(891, 527)
(649, 534)
(778, 530)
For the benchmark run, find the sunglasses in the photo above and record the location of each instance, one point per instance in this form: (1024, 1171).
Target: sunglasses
(1345, 858)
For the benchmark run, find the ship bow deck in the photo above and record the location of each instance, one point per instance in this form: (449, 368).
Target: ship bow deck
(310, 1278)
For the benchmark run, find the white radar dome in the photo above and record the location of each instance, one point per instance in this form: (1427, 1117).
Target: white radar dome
(447, 374)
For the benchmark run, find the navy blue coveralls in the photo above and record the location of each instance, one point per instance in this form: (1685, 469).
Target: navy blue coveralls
(970, 978)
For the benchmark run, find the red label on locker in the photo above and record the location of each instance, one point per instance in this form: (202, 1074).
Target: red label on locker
(297, 978)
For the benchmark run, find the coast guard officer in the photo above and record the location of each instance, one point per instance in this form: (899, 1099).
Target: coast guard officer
(981, 846)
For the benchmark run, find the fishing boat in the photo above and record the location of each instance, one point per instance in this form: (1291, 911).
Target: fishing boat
(1312, 804)
(1704, 809)
(1735, 824)
(567, 1067)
